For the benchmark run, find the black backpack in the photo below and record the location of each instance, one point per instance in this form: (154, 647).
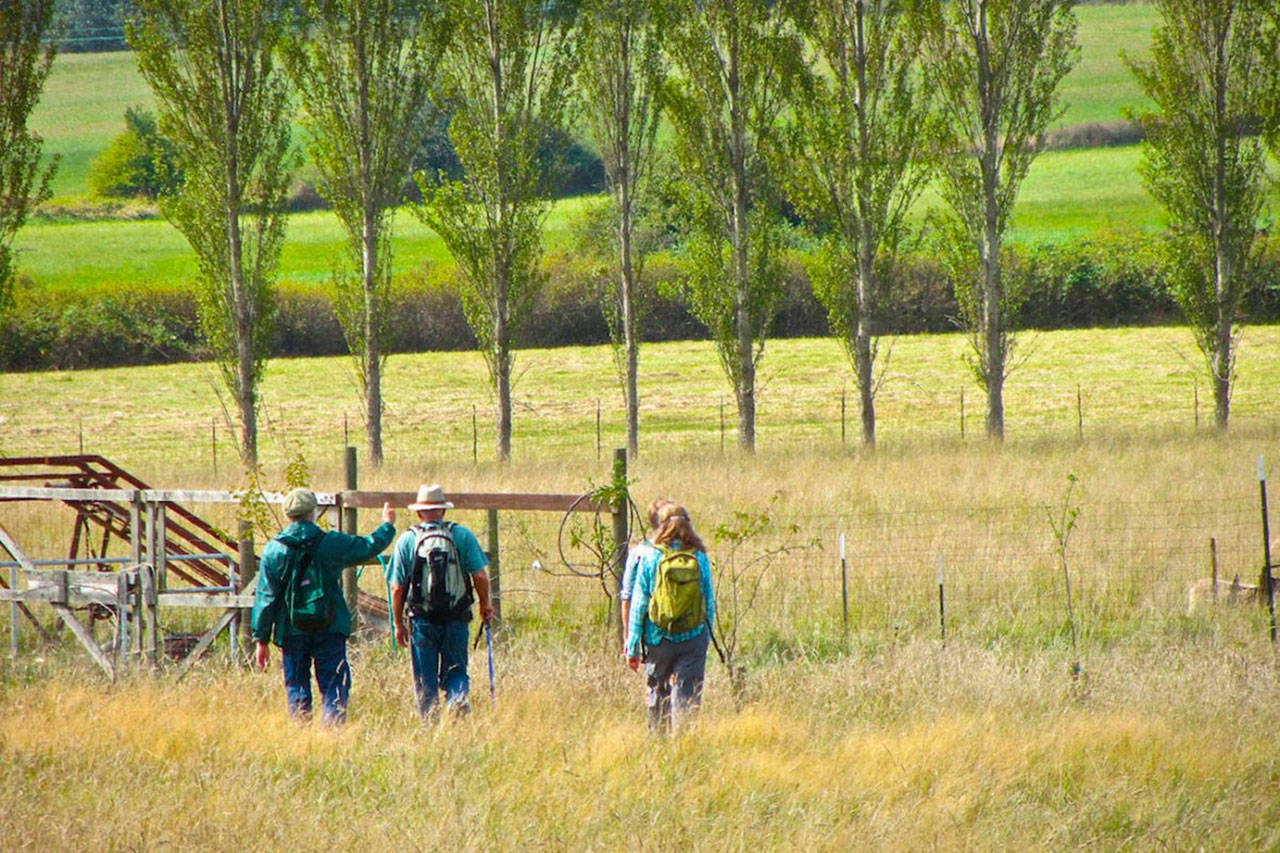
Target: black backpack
(306, 605)
(439, 589)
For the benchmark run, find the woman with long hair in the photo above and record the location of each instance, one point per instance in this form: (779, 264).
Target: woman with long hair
(672, 605)
(638, 550)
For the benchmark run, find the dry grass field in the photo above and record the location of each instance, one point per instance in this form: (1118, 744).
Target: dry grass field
(884, 737)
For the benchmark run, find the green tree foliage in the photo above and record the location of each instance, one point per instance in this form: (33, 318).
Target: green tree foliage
(139, 163)
(365, 70)
(1213, 70)
(734, 62)
(860, 162)
(620, 76)
(995, 66)
(26, 52)
(507, 81)
(225, 105)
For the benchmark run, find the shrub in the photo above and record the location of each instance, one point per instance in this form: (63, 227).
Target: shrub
(137, 163)
(1109, 279)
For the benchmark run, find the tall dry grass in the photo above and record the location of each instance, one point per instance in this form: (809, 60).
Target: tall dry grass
(881, 737)
(917, 746)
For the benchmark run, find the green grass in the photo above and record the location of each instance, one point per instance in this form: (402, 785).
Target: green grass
(86, 94)
(75, 254)
(1100, 86)
(1067, 194)
(82, 109)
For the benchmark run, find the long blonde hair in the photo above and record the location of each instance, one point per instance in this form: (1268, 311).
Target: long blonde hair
(674, 526)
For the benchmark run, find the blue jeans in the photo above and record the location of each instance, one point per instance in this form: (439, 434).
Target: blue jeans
(328, 653)
(439, 656)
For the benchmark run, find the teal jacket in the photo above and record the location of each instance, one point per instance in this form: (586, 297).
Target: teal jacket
(335, 552)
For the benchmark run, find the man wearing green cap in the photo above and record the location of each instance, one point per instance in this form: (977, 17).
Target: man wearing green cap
(323, 647)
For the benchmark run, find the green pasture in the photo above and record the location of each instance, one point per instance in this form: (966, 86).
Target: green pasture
(91, 254)
(1067, 194)
(86, 93)
(1101, 85)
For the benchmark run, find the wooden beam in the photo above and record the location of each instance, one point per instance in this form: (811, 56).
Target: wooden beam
(86, 639)
(38, 494)
(206, 641)
(478, 500)
(146, 495)
(208, 599)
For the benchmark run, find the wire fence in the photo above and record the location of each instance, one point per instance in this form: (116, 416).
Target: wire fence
(1003, 565)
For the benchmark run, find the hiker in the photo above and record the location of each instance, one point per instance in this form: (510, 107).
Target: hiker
(633, 559)
(672, 608)
(311, 631)
(437, 572)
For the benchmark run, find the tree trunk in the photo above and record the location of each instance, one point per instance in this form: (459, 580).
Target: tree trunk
(993, 332)
(992, 285)
(502, 365)
(739, 241)
(862, 360)
(1221, 361)
(630, 389)
(372, 367)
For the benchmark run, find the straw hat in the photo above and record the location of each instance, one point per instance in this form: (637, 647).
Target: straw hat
(430, 497)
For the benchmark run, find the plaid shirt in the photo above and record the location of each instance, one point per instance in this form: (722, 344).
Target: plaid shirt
(640, 628)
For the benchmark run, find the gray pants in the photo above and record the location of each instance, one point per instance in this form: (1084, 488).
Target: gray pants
(685, 663)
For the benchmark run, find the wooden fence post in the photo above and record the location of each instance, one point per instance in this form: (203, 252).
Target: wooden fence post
(150, 624)
(495, 565)
(161, 562)
(621, 535)
(350, 590)
(135, 528)
(122, 621)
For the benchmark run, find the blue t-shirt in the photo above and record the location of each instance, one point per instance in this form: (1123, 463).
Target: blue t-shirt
(470, 555)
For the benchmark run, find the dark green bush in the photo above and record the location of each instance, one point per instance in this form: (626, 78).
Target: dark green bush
(1107, 280)
(139, 163)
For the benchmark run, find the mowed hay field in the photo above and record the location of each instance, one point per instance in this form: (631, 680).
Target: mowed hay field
(881, 737)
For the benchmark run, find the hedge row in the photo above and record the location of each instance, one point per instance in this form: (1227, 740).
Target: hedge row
(1107, 280)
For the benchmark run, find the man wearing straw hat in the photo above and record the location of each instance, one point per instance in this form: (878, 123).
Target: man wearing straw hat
(323, 646)
(437, 572)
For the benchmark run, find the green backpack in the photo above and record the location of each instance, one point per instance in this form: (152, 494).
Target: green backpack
(306, 606)
(676, 605)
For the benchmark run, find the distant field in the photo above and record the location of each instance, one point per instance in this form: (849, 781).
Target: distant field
(86, 94)
(68, 255)
(1068, 193)
(1101, 85)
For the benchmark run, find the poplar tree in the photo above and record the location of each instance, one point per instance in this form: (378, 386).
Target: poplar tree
(26, 53)
(734, 62)
(860, 163)
(620, 76)
(1213, 79)
(995, 66)
(225, 105)
(365, 71)
(506, 81)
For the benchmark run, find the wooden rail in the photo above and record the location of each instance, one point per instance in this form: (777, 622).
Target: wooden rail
(477, 500)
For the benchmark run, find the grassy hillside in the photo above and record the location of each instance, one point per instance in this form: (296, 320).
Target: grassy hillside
(86, 94)
(1101, 85)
